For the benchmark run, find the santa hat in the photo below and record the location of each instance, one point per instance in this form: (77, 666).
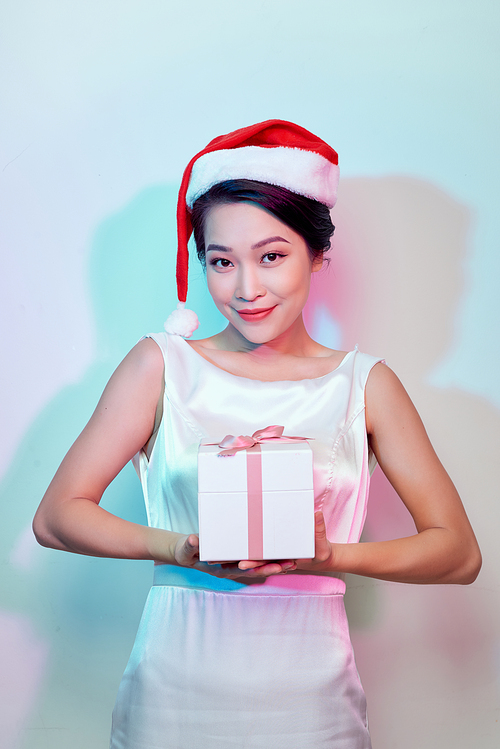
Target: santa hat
(275, 151)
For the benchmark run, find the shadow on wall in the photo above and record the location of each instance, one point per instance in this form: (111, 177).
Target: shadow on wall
(393, 286)
(76, 614)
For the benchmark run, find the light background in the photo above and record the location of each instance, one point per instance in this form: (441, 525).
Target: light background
(103, 105)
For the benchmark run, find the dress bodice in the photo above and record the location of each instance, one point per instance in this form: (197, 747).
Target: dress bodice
(204, 402)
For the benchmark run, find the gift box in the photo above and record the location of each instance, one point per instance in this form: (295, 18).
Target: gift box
(256, 503)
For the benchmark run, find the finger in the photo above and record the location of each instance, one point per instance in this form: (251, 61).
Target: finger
(321, 542)
(286, 565)
(319, 528)
(271, 568)
(191, 550)
(248, 564)
(193, 541)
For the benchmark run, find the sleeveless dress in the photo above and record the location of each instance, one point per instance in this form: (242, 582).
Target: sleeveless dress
(221, 664)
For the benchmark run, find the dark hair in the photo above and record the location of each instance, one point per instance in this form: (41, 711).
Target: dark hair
(306, 216)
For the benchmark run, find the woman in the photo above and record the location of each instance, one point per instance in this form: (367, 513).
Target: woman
(238, 654)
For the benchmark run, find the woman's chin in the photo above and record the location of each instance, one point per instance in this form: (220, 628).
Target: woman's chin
(264, 331)
(259, 335)
(254, 334)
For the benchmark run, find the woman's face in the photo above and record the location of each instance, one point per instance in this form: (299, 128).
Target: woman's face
(258, 270)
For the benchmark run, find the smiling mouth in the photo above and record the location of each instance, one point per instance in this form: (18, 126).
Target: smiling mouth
(250, 315)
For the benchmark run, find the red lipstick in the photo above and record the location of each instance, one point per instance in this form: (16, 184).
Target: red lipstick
(254, 315)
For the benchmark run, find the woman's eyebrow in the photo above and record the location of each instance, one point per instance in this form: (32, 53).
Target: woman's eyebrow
(218, 248)
(268, 241)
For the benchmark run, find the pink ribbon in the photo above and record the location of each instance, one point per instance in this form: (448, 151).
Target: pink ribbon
(255, 508)
(230, 446)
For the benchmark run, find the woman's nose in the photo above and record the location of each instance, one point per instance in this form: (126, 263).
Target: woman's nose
(248, 286)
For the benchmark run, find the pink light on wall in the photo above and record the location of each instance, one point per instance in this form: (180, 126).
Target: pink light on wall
(23, 656)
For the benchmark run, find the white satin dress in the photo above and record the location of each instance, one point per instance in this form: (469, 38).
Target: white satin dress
(220, 664)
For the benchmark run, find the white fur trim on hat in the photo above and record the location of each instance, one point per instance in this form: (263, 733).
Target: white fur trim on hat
(303, 172)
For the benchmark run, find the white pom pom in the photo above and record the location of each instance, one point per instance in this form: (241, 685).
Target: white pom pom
(182, 321)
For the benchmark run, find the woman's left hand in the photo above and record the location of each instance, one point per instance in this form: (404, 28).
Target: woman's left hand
(323, 560)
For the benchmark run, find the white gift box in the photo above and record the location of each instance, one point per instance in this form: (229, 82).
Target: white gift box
(257, 503)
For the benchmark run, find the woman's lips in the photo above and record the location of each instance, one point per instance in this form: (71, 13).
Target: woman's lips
(250, 315)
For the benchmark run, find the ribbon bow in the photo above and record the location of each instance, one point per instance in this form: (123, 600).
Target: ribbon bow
(231, 445)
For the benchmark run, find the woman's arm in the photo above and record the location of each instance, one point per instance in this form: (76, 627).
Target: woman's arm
(69, 517)
(444, 549)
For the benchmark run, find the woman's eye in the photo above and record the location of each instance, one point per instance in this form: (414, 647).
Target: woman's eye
(271, 257)
(221, 262)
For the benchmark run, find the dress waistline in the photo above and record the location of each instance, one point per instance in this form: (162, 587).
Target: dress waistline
(290, 584)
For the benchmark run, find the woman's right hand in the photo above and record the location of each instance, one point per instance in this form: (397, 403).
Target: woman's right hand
(187, 554)
(187, 551)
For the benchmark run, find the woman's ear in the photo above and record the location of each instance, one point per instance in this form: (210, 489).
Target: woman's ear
(317, 264)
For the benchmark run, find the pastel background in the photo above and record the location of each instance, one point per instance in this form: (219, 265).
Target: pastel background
(103, 105)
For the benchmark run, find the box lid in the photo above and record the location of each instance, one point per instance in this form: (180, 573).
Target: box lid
(286, 466)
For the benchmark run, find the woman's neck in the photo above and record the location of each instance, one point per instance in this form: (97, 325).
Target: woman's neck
(295, 341)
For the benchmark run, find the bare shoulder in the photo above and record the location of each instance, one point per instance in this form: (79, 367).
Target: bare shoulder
(386, 398)
(137, 379)
(143, 363)
(381, 379)
(145, 356)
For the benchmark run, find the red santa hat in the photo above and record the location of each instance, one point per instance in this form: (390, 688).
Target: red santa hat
(275, 151)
